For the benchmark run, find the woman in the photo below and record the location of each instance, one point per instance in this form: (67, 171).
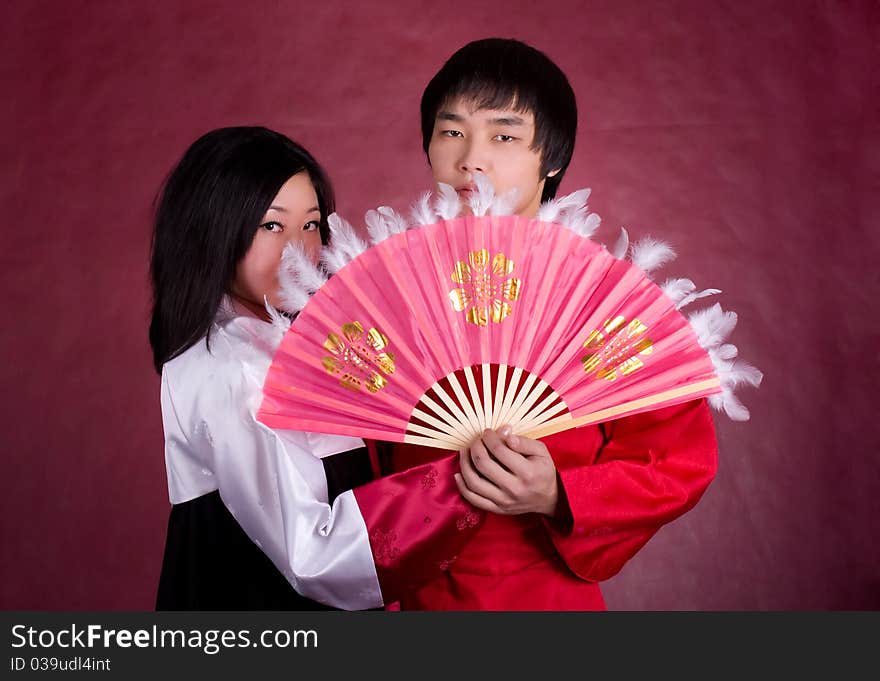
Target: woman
(266, 519)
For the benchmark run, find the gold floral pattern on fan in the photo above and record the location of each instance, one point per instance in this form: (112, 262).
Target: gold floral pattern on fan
(487, 289)
(614, 349)
(359, 358)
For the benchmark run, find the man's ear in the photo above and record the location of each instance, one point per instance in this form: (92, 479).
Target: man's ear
(552, 172)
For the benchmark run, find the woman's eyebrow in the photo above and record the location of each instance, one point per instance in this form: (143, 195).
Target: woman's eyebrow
(282, 209)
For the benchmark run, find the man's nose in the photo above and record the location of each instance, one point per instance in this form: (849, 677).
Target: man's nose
(473, 160)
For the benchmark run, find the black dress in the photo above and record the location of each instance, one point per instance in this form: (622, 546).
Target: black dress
(211, 564)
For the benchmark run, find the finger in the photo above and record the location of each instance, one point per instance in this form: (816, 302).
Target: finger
(482, 455)
(525, 445)
(507, 457)
(475, 499)
(477, 483)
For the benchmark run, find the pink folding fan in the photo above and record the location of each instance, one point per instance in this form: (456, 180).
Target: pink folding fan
(448, 325)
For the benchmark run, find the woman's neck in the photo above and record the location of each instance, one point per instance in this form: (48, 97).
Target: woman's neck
(248, 308)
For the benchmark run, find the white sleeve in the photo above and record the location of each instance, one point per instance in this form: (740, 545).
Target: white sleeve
(274, 487)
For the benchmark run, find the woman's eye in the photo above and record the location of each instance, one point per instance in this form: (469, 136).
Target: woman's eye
(451, 133)
(273, 226)
(311, 226)
(504, 138)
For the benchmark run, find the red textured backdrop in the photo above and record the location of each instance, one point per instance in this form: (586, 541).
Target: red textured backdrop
(746, 133)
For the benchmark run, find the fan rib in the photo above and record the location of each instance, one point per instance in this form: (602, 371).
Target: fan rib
(431, 442)
(439, 425)
(487, 395)
(449, 402)
(475, 400)
(536, 417)
(510, 395)
(499, 395)
(451, 421)
(416, 428)
(517, 408)
(546, 408)
(473, 420)
(679, 394)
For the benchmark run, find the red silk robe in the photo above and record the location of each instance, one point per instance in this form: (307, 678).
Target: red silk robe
(620, 483)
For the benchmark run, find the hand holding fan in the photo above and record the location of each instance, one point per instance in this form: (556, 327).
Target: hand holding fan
(437, 331)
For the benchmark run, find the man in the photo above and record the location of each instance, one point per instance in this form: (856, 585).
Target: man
(567, 511)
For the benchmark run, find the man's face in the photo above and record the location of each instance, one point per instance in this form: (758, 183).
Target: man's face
(495, 142)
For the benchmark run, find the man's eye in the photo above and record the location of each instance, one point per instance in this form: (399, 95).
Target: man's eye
(504, 138)
(451, 133)
(273, 226)
(311, 226)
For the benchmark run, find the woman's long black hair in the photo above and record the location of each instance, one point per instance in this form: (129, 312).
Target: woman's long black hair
(208, 211)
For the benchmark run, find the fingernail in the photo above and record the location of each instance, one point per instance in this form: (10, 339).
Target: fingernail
(505, 431)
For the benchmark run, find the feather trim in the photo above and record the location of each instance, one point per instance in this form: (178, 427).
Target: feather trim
(422, 214)
(481, 198)
(682, 291)
(504, 204)
(345, 244)
(581, 222)
(279, 320)
(621, 246)
(677, 289)
(727, 351)
(649, 254)
(395, 221)
(552, 209)
(447, 204)
(712, 326)
(298, 278)
(377, 227)
(691, 297)
(734, 374)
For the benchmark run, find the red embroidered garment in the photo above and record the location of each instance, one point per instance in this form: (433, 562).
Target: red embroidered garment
(621, 482)
(417, 523)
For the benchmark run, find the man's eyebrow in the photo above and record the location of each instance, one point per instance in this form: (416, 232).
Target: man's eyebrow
(449, 116)
(510, 119)
(505, 119)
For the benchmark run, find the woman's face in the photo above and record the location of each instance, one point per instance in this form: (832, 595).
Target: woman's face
(294, 217)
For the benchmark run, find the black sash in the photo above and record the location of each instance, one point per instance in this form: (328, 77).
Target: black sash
(211, 564)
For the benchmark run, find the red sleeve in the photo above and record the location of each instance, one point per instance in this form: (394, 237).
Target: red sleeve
(417, 522)
(652, 468)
